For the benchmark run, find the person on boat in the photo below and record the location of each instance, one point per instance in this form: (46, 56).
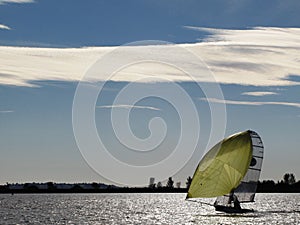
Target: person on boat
(234, 199)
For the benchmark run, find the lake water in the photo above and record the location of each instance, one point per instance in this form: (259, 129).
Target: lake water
(140, 209)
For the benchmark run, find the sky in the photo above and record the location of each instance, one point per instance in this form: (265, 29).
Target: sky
(85, 96)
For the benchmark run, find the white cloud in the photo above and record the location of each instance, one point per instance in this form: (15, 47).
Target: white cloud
(15, 1)
(127, 107)
(2, 26)
(234, 102)
(259, 93)
(259, 56)
(262, 56)
(257, 36)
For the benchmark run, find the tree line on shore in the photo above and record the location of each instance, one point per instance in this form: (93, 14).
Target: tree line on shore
(287, 184)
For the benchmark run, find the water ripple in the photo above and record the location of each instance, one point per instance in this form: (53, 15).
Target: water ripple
(139, 209)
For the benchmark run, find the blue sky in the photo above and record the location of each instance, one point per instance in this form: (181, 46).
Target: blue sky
(252, 50)
(74, 23)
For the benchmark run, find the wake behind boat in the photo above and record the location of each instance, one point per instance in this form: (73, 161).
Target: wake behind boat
(230, 172)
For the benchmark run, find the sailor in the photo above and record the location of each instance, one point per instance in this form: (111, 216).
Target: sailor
(234, 199)
(236, 202)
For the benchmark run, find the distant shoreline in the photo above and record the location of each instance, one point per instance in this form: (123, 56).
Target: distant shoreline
(45, 188)
(119, 190)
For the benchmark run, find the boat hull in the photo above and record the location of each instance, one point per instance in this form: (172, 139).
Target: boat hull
(227, 209)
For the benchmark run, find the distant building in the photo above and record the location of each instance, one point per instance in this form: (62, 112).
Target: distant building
(59, 186)
(64, 186)
(151, 182)
(104, 186)
(16, 186)
(178, 184)
(87, 186)
(42, 186)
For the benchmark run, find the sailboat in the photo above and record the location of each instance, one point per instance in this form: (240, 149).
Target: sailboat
(229, 172)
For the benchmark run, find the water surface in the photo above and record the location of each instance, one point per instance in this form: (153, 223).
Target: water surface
(140, 209)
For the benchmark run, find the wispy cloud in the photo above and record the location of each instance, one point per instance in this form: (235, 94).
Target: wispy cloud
(6, 111)
(262, 56)
(235, 102)
(256, 36)
(127, 107)
(259, 93)
(258, 56)
(15, 1)
(2, 26)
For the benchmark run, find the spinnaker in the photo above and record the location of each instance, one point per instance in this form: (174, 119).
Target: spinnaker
(231, 167)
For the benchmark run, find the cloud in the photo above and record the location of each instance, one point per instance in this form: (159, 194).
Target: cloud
(127, 107)
(259, 93)
(234, 102)
(262, 56)
(2, 26)
(257, 36)
(15, 1)
(6, 111)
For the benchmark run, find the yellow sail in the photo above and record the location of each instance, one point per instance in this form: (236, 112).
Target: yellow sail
(223, 167)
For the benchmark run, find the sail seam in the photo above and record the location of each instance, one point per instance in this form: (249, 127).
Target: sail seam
(254, 169)
(258, 146)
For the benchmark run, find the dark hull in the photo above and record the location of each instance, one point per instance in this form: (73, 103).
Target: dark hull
(231, 209)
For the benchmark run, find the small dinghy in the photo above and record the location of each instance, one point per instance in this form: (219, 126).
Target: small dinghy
(230, 172)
